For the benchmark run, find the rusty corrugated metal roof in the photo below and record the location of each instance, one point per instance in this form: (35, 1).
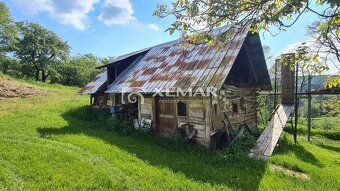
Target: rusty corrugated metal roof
(93, 86)
(123, 57)
(170, 65)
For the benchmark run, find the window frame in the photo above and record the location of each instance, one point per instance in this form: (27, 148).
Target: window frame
(186, 106)
(234, 107)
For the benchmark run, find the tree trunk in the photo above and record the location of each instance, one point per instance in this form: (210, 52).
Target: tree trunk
(5, 68)
(37, 72)
(43, 78)
(44, 75)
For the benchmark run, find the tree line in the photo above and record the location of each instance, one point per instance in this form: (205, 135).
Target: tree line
(28, 50)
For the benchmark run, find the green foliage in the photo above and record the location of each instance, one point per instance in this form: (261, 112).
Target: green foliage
(77, 71)
(40, 51)
(44, 145)
(41, 55)
(10, 66)
(315, 111)
(327, 125)
(240, 148)
(322, 126)
(120, 125)
(89, 113)
(262, 14)
(196, 20)
(332, 82)
(332, 107)
(265, 106)
(321, 106)
(7, 31)
(103, 116)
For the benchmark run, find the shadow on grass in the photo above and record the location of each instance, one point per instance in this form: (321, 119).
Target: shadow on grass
(329, 134)
(300, 152)
(216, 167)
(329, 147)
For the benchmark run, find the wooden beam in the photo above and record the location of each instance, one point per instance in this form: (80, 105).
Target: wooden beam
(275, 83)
(309, 106)
(296, 101)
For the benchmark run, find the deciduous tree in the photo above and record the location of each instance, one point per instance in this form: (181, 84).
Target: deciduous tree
(40, 50)
(8, 32)
(77, 71)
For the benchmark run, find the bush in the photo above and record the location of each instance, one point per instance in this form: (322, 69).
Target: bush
(89, 113)
(120, 125)
(325, 123)
(328, 125)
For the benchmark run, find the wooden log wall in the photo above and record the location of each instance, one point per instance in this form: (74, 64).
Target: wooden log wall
(197, 115)
(244, 99)
(201, 111)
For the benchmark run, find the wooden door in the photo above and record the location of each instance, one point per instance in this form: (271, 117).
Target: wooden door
(166, 116)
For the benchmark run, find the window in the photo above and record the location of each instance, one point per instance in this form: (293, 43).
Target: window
(235, 109)
(182, 108)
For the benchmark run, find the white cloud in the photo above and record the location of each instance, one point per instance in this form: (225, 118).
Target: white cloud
(153, 27)
(68, 12)
(35, 6)
(117, 12)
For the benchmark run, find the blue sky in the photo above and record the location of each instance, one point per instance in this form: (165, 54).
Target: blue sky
(115, 27)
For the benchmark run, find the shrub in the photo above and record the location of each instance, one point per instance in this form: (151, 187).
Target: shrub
(328, 125)
(89, 113)
(120, 125)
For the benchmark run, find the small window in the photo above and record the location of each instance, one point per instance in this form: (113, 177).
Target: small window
(182, 108)
(235, 109)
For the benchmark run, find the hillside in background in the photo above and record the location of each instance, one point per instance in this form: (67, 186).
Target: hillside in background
(317, 82)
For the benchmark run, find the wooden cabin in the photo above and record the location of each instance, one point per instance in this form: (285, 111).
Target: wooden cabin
(229, 77)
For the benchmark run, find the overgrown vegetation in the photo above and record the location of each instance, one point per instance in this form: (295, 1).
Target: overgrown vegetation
(57, 142)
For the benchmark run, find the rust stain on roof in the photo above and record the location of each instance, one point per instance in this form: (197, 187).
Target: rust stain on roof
(93, 86)
(86, 88)
(171, 66)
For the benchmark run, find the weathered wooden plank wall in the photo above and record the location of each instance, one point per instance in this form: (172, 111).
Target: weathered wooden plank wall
(288, 83)
(244, 99)
(201, 111)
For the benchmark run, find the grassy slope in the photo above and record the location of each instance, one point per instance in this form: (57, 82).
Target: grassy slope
(43, 146)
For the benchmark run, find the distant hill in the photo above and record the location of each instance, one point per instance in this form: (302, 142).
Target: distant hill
(317, 83)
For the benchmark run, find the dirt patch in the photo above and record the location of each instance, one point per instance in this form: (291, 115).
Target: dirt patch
(288, 172)
(11, 89)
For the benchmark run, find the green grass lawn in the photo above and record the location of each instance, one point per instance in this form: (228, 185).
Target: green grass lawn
(45, 146)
